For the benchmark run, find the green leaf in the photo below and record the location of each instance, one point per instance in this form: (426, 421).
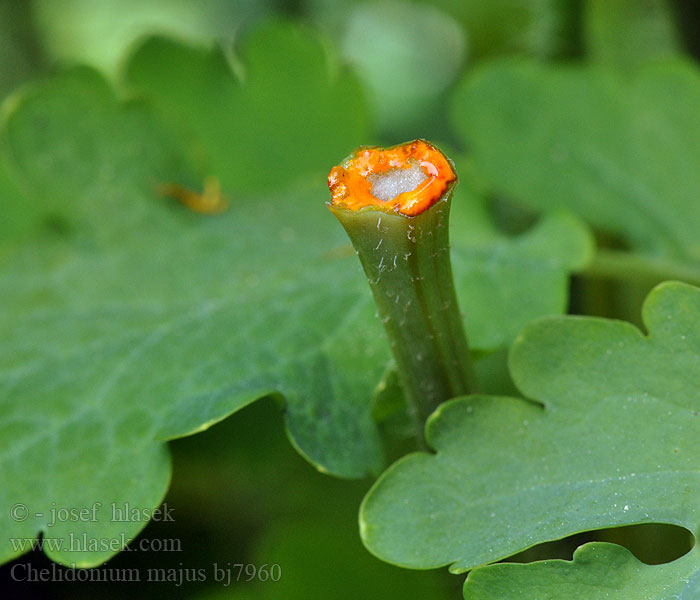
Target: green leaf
(65, 170)
(144, 322)
(509, 474)
(137, 320)
(504, 282)
(621, 152)
(599, 571)
(288, 118)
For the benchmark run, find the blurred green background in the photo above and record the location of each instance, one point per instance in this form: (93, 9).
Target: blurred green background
(408, 54)
(240, 493)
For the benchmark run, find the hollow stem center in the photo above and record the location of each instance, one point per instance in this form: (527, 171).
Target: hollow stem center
(388, 185)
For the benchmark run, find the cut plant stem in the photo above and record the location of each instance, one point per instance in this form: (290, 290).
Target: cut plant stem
(394, 204)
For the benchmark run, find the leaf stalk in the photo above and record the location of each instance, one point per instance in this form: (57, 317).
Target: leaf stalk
(407, 262)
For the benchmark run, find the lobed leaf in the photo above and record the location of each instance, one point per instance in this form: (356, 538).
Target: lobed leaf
(134, 320)
(619, 151)
(142, 321)
(599, 571)
(502, 281)
(509, 473)
(286, 118)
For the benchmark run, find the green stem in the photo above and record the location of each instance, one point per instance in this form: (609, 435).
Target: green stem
(407, 262)
(612, 264)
